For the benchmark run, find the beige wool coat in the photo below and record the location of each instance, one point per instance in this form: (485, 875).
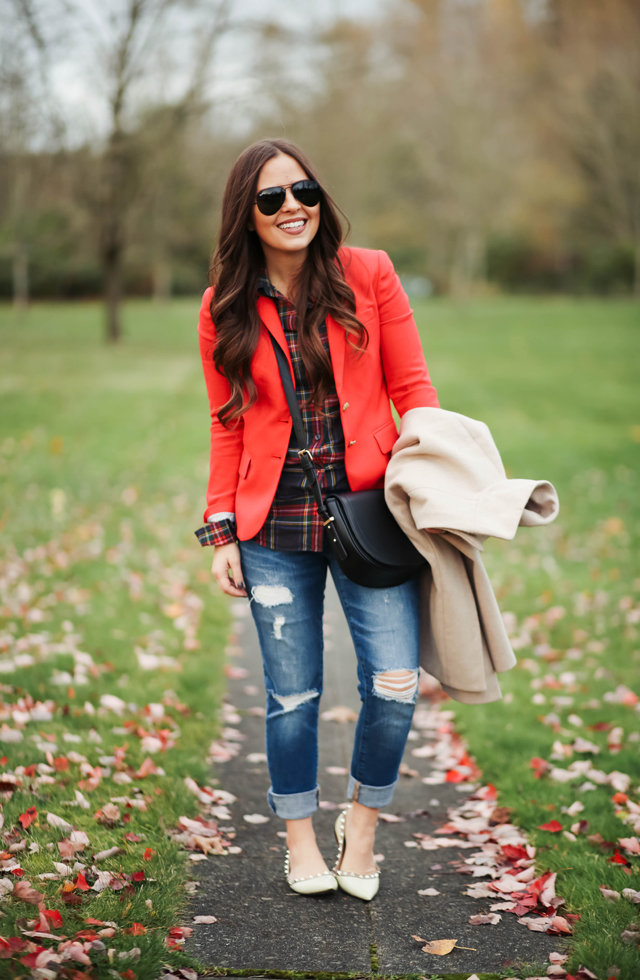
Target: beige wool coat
(446, 473)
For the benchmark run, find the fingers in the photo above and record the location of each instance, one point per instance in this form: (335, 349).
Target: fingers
(226, 559)
(236, 574)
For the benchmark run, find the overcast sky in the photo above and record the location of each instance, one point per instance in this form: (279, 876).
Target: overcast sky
(77, 85)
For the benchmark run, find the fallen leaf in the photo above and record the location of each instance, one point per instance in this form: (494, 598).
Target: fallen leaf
(27, 818)
(148, 854)
(553, 826)
(440, 947)
(204, 920)
(24, 891)
(429, 891)
(609, 894)
(59, 823)
(491, 919)
(132, 838)
(255, 818)
(137, 929)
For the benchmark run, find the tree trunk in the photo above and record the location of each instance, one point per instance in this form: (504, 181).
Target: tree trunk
(20, 273)
(112, 265)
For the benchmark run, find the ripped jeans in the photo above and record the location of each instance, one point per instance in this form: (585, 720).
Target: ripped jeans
(287, 599)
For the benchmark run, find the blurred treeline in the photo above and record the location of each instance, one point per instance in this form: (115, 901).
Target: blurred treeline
(485, 144)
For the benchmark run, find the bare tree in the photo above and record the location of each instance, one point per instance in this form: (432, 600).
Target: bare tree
(599, 107)
(127, 40)
(25, 111)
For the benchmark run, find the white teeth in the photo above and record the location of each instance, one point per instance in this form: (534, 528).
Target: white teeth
(292, 224)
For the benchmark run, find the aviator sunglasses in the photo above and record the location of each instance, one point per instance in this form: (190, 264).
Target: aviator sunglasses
(271, 199)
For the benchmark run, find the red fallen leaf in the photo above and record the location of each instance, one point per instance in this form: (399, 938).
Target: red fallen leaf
(173, 943)
(61, 763)
(619, 798)
(26, 893)
(27, 818)
(30, 958)
(553, 826)
(455, 776)
(617, 858)
(137, 929)
(12, 945)
(147, 768)
(600, 726)
(573, 916)
(54, 917)
(148, 854)
(4, 760)
(67, 848)
(70, 899)
(30, 770)
(86, 934)
(133, 838)
(180, 932)
(81, 883)
(488, 792)
(560, 926)
(126, 817)
(94, 922)
(128, 975)
(514, 852)
(18, 872)
(138, 876)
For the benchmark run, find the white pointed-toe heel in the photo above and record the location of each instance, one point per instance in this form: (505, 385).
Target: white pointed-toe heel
(361, 886)
(314, 884)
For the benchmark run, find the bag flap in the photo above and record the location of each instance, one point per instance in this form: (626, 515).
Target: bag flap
(368, 518)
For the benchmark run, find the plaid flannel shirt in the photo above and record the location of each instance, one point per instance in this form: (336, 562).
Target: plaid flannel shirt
(293, 523)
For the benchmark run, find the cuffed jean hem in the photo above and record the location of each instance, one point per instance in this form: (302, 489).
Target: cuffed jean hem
(373, 796)
(294, 806)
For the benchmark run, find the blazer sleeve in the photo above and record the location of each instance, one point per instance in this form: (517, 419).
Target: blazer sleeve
(226, 443)
(405, 368)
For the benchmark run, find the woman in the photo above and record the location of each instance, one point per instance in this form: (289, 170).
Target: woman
(344, 322)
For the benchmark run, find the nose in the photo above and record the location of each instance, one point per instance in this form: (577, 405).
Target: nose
(290, 203)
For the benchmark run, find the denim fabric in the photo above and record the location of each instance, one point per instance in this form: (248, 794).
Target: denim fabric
(286, 591)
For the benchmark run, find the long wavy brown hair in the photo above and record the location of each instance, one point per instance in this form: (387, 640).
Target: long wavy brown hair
(236, 265)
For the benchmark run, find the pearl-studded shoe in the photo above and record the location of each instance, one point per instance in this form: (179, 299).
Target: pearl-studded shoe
(361, 886)
(314, 884)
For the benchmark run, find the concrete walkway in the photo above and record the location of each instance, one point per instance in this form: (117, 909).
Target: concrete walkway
(263, 926)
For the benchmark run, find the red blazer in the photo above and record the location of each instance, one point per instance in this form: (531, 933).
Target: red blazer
(247, 459)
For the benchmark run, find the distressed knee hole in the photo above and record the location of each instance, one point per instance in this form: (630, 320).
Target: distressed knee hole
(272, 595)
(290, 702)
(396, 685)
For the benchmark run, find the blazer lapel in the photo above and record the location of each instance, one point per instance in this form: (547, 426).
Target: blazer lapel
(337, 341)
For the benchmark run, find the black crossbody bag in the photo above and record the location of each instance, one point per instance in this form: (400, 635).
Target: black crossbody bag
(368, 543)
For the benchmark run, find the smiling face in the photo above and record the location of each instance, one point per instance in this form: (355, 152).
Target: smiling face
(294, 226)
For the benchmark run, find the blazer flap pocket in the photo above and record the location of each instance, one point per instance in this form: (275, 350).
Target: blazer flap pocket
(386, 436)
(245, 460)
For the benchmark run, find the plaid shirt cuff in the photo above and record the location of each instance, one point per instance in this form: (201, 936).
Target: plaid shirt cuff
(217, 533)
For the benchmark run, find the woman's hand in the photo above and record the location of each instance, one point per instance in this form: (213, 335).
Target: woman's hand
(226, 558)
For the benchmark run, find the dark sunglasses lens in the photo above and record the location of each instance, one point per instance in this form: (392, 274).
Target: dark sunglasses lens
(307, 192)
(270, 200)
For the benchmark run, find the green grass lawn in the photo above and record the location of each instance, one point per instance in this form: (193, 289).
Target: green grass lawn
(103, 465)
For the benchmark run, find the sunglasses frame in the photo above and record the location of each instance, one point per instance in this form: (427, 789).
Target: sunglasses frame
(283, 189)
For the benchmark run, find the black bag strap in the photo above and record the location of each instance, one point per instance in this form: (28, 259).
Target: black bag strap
(304, 455)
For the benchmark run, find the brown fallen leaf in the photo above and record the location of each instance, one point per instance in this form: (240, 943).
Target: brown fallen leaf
(24, 891)
(440, 947)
